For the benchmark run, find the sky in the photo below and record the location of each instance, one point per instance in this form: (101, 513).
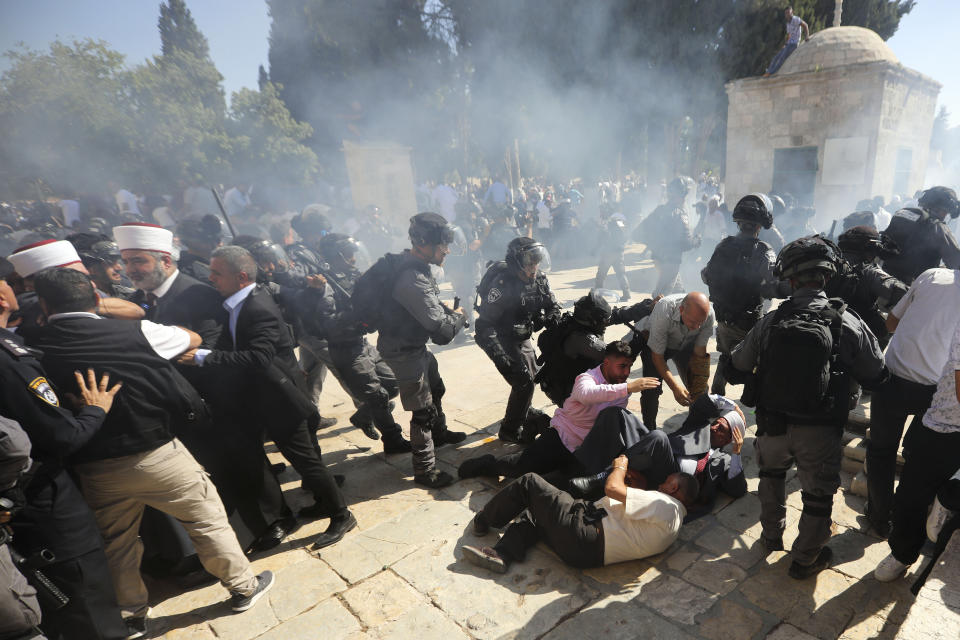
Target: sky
(238, 31)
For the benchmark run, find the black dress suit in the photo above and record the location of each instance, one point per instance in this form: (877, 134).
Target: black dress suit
(236, 462)
(273, 390)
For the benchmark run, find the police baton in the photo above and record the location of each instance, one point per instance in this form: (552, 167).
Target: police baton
(223, 212)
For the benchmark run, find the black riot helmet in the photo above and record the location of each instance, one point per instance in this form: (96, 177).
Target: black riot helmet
(95, 248)
(940, 199)
(207, 230)
(312, 222)
(755, 208)
(430, 229)
(593, 311)
(865, 242)
(270, 257)
(813, 253)
(339, 249)
(526, 254)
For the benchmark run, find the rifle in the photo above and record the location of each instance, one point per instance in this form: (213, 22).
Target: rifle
(47, 591)
(223, 211)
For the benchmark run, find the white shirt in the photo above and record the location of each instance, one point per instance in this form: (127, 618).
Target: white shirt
(647, 524)
(445, 199)
(71, 211)
(667, 330)
(944, 412)
(233, 305)
(793, 30)
(126, 201)
(165, 285)
(920, 346)
(167, 342)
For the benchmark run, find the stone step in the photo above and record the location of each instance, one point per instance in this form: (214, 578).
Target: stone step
(859, 485)
(851, 466)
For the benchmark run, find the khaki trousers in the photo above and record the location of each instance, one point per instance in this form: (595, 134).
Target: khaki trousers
(170, 480)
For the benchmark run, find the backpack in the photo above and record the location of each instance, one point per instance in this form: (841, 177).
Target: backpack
(797, 372)
(494, 270)
(554, 376)
(373, 289)
(734, 283)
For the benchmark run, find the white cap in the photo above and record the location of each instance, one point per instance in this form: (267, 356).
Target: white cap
(47, 254)
(143, 237)
(735, 420)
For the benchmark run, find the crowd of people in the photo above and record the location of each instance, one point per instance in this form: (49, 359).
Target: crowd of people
(145, 362)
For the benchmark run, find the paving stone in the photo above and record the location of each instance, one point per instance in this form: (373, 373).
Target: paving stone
(742, 515)
(424, 622)
(363, 554)
(525, 602)
(856, 554)
(725, 543)
(927, 620)
(730, 621)
(301, 586)
(242, 626)
(821, 605)
(200, 631)
(329, 620)
(382, 598)
(714, 575)
(869, 628)
(788, 632)
(679, 560)
(626, 578)
(676, 599)
(616, 620)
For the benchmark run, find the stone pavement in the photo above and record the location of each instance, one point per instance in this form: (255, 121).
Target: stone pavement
(401, 573)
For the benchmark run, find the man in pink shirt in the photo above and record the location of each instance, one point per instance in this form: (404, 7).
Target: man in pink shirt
(600, 388)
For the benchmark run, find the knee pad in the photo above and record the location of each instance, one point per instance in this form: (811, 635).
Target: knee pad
(780, 475)
(817, 506)
(424, 417)
(380, 399)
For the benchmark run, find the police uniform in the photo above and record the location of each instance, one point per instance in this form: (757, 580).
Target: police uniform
(924, 241)
(416, 316)
(194, 266)
(739, 276)
(510, 311)
(811, 438)
(56, 517)
(865, 287)
(613, 242)
(666, 232)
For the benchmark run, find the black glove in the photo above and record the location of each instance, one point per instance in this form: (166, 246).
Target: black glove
(632, 313)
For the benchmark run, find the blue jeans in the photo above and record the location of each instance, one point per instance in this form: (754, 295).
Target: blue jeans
(781, 57)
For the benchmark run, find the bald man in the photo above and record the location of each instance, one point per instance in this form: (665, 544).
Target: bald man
(678, 330)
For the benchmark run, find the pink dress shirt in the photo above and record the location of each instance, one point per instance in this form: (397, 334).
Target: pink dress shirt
(591, 395)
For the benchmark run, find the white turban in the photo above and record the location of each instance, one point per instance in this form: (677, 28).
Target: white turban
(143, 237)
(48, 254)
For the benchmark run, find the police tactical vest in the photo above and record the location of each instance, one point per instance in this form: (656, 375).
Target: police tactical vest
(799, 377)
(734, 282)
(558, 371)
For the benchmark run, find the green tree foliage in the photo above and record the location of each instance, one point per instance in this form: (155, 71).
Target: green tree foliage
(184, 48)
(65, 116)
(268, 139)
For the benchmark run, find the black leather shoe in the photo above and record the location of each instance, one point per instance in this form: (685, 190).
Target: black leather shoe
(434, 479)
(802, 572)
(772, 545)
(446, 436)
(479, 466)
(480, 525)
(326, 422)
(339, 526)
(274, 534)
(508, 434)
(588, 487)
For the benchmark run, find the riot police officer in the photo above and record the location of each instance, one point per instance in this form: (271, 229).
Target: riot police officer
(667, 233)
(740, 275)
(613, 241)
(198, 239)
(576, 343)
(357, 363)
(101, 256)
(861, 283)
(923, 236)
(772, 235)
(501, 234)
(415, 315)
(311, 224)
(55, 516)
(514, 301)
(808, 355)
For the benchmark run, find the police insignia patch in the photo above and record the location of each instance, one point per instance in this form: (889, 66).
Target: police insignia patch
(42, 389)
(494, 295)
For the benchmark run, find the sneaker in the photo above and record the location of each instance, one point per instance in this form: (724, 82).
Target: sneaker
(434, 479)
(799, 571)
(485, 557)
(889, 569)
(938, 517)
(137, 626)
(240, 602)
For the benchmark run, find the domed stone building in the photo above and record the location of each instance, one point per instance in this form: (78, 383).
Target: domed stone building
(843, 120)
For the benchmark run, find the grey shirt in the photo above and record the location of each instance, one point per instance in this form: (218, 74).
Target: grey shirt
(667, 330)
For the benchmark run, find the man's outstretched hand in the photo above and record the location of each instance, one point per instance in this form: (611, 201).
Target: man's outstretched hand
(95, 394)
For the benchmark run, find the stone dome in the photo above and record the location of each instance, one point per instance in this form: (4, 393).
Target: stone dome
(837, 47)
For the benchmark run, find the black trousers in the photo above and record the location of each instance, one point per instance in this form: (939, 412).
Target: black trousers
(548, 514)
(614, 431)
(371, 382)
(92, 613)
(931, 460)
(544, 455)
(301, 449)
(891, 404)
(650, 398)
